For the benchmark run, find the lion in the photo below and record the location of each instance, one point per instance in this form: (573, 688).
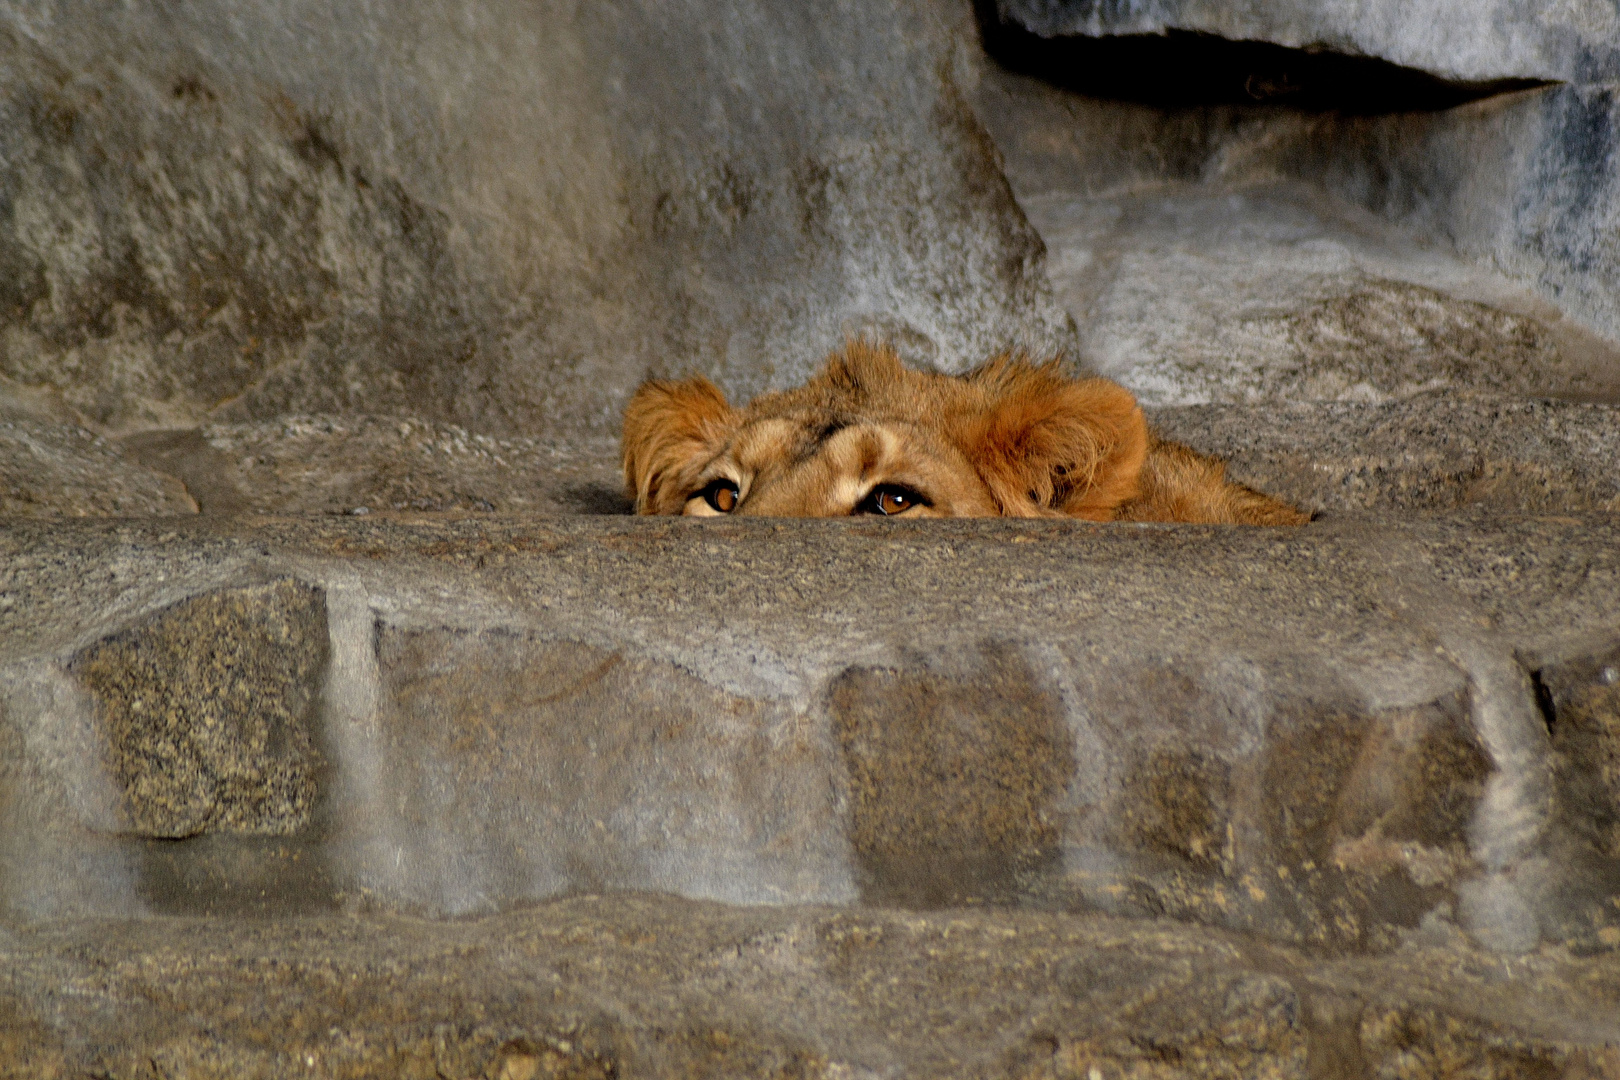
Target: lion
(867, 435)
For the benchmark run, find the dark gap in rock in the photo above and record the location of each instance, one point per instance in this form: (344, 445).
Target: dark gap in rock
(1184, 68)
(1544, 701)
(595, 499)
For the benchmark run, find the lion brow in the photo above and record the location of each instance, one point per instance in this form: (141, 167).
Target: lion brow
(829, 428)
(816, 437)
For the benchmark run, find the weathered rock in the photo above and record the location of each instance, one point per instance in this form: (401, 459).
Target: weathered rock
(55, 470)
(1468, 41)
(203, 712)
(1326, 736)
(360, 463)
(1175, 218)
(1074, 801)
(1435, 452)
(1197, 293)
(489, 212)
(661, 987)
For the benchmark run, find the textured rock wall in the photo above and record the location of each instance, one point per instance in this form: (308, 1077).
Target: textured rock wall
(497, 213)
(1332, 738)
(1523, 183)
(1468, 40)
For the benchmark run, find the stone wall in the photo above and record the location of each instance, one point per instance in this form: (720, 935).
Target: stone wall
(496, 213)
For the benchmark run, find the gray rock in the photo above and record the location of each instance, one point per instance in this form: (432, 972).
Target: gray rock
(1197, 293)
(598, 987)
(1328, 736)
(489, 213)
(1227, 229)
(1435, 452)
(203, 711)
(57, 470)
(1466, 41)
(363, 463)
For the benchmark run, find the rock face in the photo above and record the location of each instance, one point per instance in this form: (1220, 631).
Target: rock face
(1465, 41)
(639, 986)
(348, 728)
(1519, 183)
(1390, 747)
(488, 212)
(1267, 732)
(204, 712)
(63, 470)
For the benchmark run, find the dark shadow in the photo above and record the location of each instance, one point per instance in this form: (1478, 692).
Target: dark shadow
(184, 453)
(1183, 68)
(594, 499)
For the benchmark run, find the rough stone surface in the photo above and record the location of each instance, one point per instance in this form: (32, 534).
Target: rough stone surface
(592, 988)
(1582, 702)
(1427, 454)
(485, 211)
(1194, 293)
(1520, 186)
(361, 463)
(54, 470)
(1427, 451)
(1468, 40)
(1329, 736)
(204, 711)
(332, 778)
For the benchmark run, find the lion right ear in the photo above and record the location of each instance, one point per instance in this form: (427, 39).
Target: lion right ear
(1049, 444)
(671, 430)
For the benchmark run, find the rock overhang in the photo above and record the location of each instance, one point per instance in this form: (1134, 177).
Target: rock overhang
(1467, 42)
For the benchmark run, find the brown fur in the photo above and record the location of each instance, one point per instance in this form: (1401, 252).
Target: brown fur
(1011, 438)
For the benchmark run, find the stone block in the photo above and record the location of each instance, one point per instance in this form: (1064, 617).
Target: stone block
(206, 711)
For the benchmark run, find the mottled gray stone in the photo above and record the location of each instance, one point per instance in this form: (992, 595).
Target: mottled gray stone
(1194, 293)
(488, 212)
(204, 711)
(1074, 801)
(1223, 228)
(363, 463)
(1431, 453)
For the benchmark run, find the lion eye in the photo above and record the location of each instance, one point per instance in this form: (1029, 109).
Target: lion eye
(721, 495)
(890, 499)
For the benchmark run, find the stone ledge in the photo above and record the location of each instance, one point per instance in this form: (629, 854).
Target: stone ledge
(1328, 736)
(660, 987)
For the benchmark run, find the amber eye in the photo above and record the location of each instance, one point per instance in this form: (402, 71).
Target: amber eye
(890, 499)
(721, 495)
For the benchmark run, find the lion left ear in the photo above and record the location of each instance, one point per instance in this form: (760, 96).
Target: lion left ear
(671, 430)
(1051, 445)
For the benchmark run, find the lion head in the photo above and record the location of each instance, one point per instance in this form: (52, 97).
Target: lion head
(868, 436)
